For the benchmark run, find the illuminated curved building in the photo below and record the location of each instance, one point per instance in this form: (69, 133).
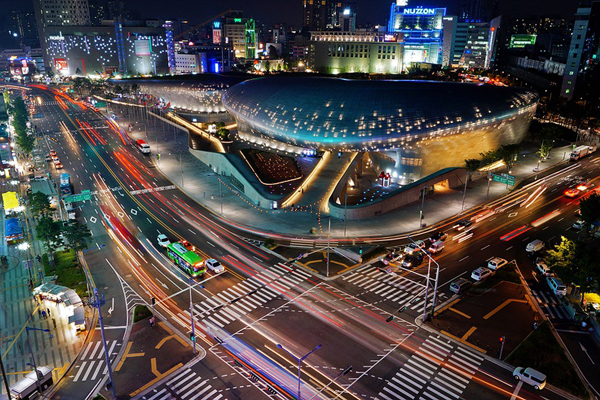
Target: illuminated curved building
(412, 128)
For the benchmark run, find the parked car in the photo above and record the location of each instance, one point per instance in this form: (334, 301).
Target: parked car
(413, 247)
(530, 376)
(163, 240)
(543, 269)
(481, 273)
(461, 225)
(214, 265)
(496, 263)
(460, 285)
(436, 237)
(413, 260)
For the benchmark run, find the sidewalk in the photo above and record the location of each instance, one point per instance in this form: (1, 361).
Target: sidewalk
(199, 182)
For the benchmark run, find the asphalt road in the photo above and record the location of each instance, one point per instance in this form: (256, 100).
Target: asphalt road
(263, 303)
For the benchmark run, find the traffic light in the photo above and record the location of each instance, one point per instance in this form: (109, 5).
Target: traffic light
(360, 250)
(192, 337)
(153, 301)
(390, 318)
(502, 339)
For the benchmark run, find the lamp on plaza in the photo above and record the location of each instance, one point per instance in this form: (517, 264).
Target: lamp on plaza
(299, 360)
(33, 363)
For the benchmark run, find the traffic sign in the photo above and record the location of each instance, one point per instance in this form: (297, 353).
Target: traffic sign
(83, 196)
(504, 178)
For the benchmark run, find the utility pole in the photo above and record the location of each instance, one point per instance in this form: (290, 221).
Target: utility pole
(221, 194)
(328, 246)
(193, 334)
(465, 192)
(4, 375)
(345, 210)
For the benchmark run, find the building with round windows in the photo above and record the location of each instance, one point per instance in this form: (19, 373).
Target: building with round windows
(411, 128)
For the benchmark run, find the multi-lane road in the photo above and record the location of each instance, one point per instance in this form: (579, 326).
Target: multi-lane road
(259, 302)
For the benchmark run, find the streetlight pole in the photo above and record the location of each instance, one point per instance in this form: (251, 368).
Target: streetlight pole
(422, 206)
(98, 302)
(193, 335)
(299, 360)
(464, 192)
(4, 376)
(181, 165)
(37, 377)
(345, 210)
(221, 194)
(328, 247)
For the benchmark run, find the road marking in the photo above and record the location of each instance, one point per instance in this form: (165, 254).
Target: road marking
(513, 214)
(509, 248)
(462, 259)
(93, 220)
(134, 211)
(560, 220)
(517, 389)
(209, 243)
(485, 247)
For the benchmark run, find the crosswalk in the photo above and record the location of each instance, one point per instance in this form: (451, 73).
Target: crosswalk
(238, 300)
(438, 370)
(92, 361)
(552, 307)
(188, 385)
(393, 287)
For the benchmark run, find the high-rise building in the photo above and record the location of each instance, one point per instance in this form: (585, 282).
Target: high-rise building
(23, 24)
(58, 13)
(467, 44)
(582, 70)
(346, 17)
(98, 12)
(320, 15)
(240, 33)
(479, 10)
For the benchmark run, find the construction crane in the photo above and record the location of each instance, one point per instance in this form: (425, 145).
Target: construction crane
(201, 24)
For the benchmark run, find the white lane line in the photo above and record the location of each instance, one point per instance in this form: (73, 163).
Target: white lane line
(463, 259)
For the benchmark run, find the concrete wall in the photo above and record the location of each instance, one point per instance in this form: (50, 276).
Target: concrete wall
(401, 197)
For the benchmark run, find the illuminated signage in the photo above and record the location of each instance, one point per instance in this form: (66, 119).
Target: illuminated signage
(347, 11)
(142, 47)
(217, 24)
(55, 37)
(237, 20)
(519, 41)
(389, 38)
(419, 11)
(61, 64)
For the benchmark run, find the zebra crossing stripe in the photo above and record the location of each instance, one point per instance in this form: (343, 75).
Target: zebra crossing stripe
(415, 375)
(430, 389)
(244, 306)
(95, 349)
(186, 375)
(242, 312)
(254, 300)
(198, 378)
(157, 395)
(214, 303)
(396, 395)
(271, 274)
(100, 364)
(263, 295)
(405, 385)
(453, 377)
(227, 310)
(88, 370)
(219, 317)
(81, 368)
(279, 269)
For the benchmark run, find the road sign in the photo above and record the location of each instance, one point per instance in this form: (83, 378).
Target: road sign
(83, 196)
(504, 178)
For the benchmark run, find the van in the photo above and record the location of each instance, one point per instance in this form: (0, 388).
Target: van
(142, 146)
(530, 376)
(535, 246)
(436, 247)
(557, 286)
(24, 388)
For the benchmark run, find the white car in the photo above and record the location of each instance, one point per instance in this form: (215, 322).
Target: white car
(496, 263)
(214, 265)
(413, 247)
(543, 269)
(579, 224)
(480, 274)
(163, 240)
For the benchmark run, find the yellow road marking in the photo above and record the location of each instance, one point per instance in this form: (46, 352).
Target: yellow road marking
(159, 376)
(501, 306)
(464, 342)
(459, 312)
(171, 336)
(441, 310)
(127, 354)
(469, 333)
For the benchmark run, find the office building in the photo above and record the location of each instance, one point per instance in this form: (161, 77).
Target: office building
(238, 32)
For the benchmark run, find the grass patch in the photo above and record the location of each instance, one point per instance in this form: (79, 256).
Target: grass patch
(68, 270)
(541, 351)
(140, 313)
(507, 273)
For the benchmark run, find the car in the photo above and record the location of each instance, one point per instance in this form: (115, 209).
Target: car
(481, 273)
(58, 165)
(530, 376)
(48, 157)
(583, 186)
(436, 237)
(496, 263)
(214, 265)
(163, 240)
(461, 225)
(460, 285)
(53, 152)
(572, 192)
(411, 248)
(578, 225)
(413, 260)
(578, 212)
(543, 269)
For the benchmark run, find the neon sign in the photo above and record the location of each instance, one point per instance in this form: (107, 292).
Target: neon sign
(419, 11)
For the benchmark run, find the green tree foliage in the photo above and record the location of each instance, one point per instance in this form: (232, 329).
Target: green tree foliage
(489, 157)
(507, 153)
(222, 133)
(39, 203)
(590, 209)
(545, 148)
(20, 119)
(49, 232)
(472, 164)
(77, 236)
(575, 262)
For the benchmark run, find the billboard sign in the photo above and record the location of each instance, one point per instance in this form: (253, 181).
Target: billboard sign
(519, 41)
(419, 11)
(61, 64)
(142, 47)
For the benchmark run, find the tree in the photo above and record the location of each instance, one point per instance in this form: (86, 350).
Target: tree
(39, 203)
(267, 66)
(49, 232)
(590, 209)
(77, 236)
(20, 119)
(507, 153)
(222, 133)
(544, 150)
(273, 53)
(472, 164)
(77, 71)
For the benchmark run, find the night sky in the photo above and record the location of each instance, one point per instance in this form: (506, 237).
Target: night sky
(272, 11)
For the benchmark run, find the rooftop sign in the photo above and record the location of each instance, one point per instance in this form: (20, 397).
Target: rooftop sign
(419, 11)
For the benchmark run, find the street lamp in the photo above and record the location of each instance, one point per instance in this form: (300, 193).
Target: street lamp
(27, 329)
(299, 360)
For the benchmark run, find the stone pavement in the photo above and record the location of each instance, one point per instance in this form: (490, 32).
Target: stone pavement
(199, 182)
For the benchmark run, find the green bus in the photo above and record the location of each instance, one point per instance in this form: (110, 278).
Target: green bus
(187, 260)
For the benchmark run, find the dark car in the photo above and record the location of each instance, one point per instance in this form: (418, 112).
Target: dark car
(438, 236)
(460, 285)
(461, 225)
(414, 260)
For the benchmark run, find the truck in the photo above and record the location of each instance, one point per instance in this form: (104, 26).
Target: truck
(580, 152)
(13, 230)
(65, 184)
(70, 211)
